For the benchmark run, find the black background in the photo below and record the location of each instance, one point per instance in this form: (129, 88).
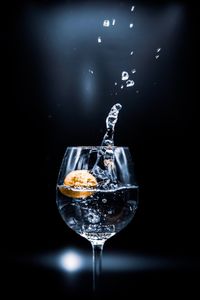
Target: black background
(42, 118)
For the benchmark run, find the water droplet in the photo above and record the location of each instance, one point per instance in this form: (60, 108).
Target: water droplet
(91, 71)
(122, 87)
(106, 23)
(115, 93)
(125, 75)
(130, 83)
(137, 91)
(99, 39)
(115, 83)
(113, 22)
(158, 50)
(131, 25)
(131, 53)
(110, 212)
(157, 56)
(133, 71)
(104, 200)
(132, 8)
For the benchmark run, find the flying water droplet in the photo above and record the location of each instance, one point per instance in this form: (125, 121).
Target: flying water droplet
(99, 39)
(113, 22)
(131, 53)
(131, 25)
(115, 83)
(132, 8)
(106, 23)
(130, 83)
(133, 71)
(91, 71)
(158, 50)
(157, 56)
(104, 200)
(125, 75)
(122, 87)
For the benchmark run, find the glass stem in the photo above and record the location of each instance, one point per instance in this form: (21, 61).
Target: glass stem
(97, 250)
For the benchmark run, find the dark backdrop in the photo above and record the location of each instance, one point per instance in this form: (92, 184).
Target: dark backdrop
(52, 101)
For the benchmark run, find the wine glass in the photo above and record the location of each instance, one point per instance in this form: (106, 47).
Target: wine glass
(96, 194)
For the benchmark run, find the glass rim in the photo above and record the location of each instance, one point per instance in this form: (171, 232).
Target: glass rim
(97, 147)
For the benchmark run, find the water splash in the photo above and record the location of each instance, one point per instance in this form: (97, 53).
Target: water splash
(104, 168)
(111, 120)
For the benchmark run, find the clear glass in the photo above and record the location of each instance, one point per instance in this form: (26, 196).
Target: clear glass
(99, 210)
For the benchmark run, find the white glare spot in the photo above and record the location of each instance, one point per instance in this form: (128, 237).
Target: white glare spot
(130, 83)
(106, 23)
(71, 261)
(131, 25)
(91, 71)
(122, 86)
(99, 39)
(133, 71)
(125, 75)
(113, 22)
(131, 53)
(157, 56)
(115, 83)
(158, 50)
(132, 8)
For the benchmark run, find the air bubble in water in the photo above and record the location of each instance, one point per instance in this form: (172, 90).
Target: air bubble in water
(125, 75)
(93, 217)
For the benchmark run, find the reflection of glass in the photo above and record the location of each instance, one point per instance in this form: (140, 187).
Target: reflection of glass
(97, 197)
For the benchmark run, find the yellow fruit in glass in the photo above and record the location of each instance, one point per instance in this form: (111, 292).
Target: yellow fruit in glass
(78, 179)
